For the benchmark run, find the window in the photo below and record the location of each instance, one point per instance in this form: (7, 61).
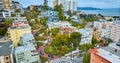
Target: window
(6, 58)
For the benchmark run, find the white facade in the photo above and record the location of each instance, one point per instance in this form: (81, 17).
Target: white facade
(104, 33)
(109, 53)
(26, 54)
(86, 37)
(109, 29)
(6, 13)
(68, 4)
(115, 31)
(59, 24)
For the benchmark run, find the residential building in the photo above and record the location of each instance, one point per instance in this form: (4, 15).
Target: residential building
(27, 38)
(26, 54)
(5, 13)
(16, 32)
(115, 31)
(67, 30)
(76, 19)
(18, 29)
(6, 52)
(59, 24)
(16, 5)
(109, 54)
(1, 5)
(99, 34)
(67, 4)
(7, 4)
(48, 14)
(86, 37)
(71, 57)
(31, 7)
(103, 24)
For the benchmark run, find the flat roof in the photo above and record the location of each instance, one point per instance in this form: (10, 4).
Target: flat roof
(109, 53)
(5, 48)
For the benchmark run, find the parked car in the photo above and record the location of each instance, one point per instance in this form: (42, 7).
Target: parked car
(50, 56)
(41, 52)
(45, 44)
(118, 43)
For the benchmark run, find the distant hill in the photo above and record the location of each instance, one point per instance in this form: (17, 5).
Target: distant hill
(112, 9)
(88, 8)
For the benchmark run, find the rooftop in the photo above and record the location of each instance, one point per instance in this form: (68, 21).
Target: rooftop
(21, 27)
(5, 48)
(29, 47)
(111, 53)
(27, 36)
(84, 31)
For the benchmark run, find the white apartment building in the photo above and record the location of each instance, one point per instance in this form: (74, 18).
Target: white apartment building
(103, 24)
(86, 37)
(26, 54)
(27, 38)
(67, 4)
(115, 31)
(59, 24)
(104, 33)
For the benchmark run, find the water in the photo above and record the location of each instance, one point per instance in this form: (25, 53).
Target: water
(103, 12)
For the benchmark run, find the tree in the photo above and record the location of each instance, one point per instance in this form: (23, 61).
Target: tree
(69, 19)
(85, 47)
(54, 31)
(17, 10)
(63, 49)
(75, 38)
(46, 5)
(94, 41)
(60, 11)
(86, 58)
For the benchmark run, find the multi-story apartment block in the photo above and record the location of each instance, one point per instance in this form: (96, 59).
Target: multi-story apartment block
(109, 54)
(7, 4)
(115, 31)
(6, 52)
(26, 54)
(99, 34)
(86, 37)
(59, 24)
(67, 4)
(1, 5)
(18, 29)
(103, 24)
(27, 38)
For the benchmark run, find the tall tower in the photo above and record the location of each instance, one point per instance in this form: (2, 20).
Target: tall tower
(67, 4)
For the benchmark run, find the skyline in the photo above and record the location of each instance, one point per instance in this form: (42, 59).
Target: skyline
(81, 3)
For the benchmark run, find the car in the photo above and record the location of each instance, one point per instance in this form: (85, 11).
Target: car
(41, 52)
(45, 44)
(118, 44)
(50, 56)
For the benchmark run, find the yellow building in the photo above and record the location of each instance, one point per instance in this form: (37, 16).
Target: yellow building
(7, 4)
(16, 33)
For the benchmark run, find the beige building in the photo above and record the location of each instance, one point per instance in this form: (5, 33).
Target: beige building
(115, 31)
(7, 4)
(6, 52)
(67, 30)
(16, 33)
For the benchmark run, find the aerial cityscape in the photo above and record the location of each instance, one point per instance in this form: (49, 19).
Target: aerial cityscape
(59, 31)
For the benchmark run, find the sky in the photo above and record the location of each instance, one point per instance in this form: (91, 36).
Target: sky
(81, 3)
